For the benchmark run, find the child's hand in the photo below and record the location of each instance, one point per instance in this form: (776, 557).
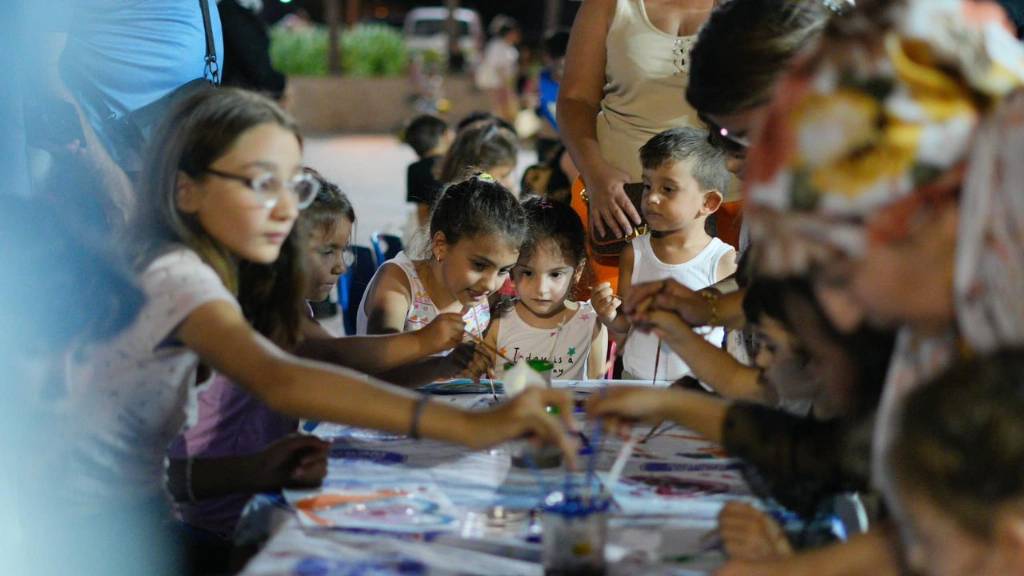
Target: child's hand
(296, 461)
(668, 326)
(472, 361)
(605, 303)
(528, 415)
(620, 406)
(750, 534)
(668, 295)
(443, 333)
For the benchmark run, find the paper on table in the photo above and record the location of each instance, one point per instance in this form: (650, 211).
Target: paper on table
(415, 509)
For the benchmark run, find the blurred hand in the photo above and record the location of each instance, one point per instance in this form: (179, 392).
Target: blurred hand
(296, 461)
(622, 406)
(605, 302)
(528, 415)
(443, 333)
(750, 534)
(471, 361)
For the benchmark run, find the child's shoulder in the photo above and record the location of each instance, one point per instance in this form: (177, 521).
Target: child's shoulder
(584, 311)
(181, 274)
(718, 248)
(178, 262)
(396, 273)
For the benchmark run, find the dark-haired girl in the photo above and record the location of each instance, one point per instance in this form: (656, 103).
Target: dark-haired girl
(476, 229)
(545, 323)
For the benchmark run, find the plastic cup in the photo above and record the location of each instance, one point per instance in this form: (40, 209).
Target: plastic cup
(575, 531)
(542, 367)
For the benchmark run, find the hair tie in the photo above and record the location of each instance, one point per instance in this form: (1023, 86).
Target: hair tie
(486, 177)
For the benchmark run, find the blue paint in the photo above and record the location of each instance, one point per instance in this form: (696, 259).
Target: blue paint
(375, 456)
(315, 566)
(697, 455)
(575, 506)
(682, 467)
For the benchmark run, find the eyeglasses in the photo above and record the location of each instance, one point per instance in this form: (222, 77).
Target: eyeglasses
(267, 187)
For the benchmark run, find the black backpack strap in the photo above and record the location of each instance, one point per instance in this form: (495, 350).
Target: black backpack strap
(212, 72)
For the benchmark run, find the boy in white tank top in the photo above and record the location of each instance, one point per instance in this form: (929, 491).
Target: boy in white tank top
(684, 177)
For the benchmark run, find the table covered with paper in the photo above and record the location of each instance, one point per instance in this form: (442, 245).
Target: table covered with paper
(393, 505)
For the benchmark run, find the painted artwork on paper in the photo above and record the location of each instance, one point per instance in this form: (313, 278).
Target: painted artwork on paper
(406, 510)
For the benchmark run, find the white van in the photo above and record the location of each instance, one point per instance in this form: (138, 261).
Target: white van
(427, 29)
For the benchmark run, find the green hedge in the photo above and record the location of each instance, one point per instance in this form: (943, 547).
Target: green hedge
(366, 50)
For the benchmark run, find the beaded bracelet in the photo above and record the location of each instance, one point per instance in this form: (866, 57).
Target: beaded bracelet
(417, 412)
(711, 297)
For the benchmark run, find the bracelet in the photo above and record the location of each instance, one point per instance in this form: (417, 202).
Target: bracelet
(188, 480)
(711, 297)
(417, 413)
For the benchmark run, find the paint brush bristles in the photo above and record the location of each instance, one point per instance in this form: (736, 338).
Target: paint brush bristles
(652, 433)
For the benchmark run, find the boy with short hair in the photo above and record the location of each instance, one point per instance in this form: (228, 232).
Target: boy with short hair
(684, 178)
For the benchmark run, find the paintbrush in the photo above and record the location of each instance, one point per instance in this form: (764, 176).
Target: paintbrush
(487, 347)
(652, 433)
(620, 461)
(654, 380)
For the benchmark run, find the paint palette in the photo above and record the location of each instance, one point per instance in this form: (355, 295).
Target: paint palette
(461, 386)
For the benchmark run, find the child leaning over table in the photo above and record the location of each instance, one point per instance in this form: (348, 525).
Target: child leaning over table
(544, 322)
(238, 444)
(683, 177)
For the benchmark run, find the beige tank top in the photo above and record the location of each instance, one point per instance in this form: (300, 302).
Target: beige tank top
(646, 74)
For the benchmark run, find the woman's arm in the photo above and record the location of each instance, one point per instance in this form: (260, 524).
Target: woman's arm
(579, 101)
(219, 333)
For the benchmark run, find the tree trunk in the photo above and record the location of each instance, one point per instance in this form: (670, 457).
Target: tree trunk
(456, 61)
(552, 15)
(333, 15)
(352, 11)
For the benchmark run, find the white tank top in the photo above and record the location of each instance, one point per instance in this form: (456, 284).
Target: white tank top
(422, 309)
(646, 73)
(699, 272)
(568, 347)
